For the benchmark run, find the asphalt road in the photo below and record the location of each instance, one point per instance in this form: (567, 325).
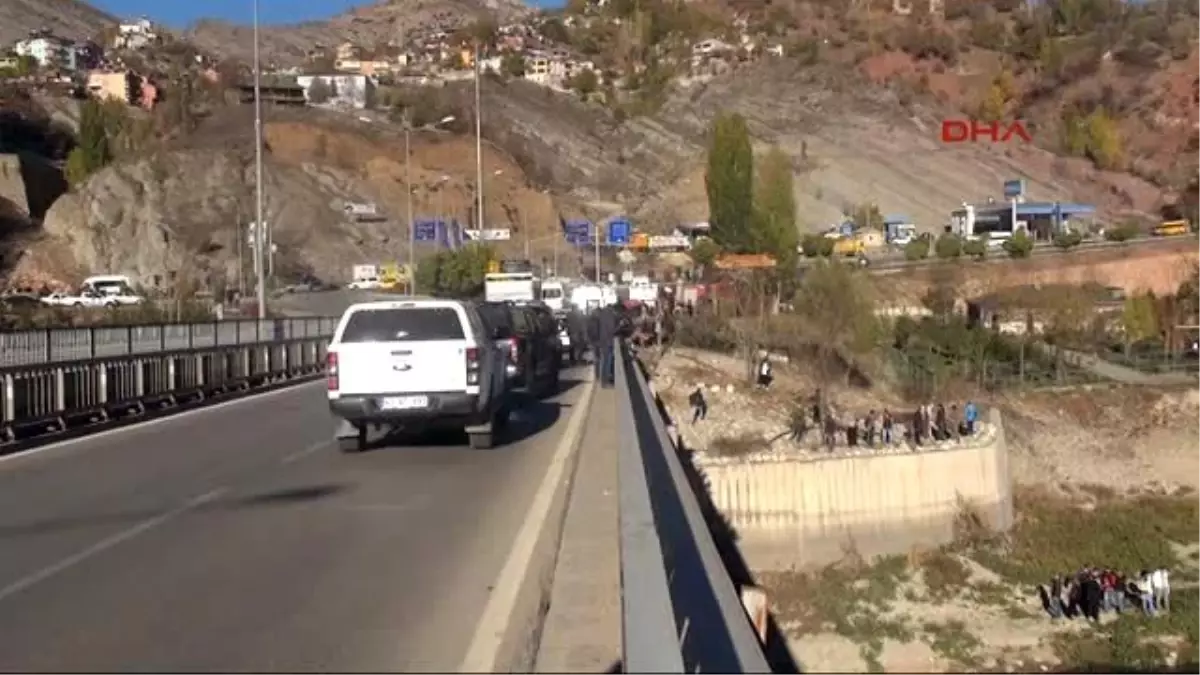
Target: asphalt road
(237, 538)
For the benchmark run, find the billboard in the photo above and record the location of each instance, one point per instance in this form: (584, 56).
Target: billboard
(496, 234)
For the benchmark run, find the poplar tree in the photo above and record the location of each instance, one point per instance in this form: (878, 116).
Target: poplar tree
(729, 182)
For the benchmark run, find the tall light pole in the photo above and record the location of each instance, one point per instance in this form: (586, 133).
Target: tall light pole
(412, 230)
(478, 147)
(259, 222)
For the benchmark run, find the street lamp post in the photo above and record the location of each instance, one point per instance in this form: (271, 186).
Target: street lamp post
(412, 230)
(259, 222)
(478, 147)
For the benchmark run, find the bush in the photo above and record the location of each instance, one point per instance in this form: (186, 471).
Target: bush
(1123, 232)
(917, 249)
(975, 248)
(816, 246)
(1069, 239)
(1020, 245)
(948, 246)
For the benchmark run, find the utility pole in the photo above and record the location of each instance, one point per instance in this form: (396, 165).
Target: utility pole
(526, 231)
(597, 242)
(259, 221)
(408, 186)
(478, 146)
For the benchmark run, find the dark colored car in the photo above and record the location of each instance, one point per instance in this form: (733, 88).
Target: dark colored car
(530, 334)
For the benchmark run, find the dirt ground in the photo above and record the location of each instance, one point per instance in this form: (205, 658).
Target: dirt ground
(1105, 476)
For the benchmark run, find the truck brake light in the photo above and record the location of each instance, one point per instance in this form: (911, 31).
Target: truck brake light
(472, 354)
(331, 371)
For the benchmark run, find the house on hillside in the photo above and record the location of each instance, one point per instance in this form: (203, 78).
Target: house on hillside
(49, 51)
(115, 85)
(345, 89)
(135, 35)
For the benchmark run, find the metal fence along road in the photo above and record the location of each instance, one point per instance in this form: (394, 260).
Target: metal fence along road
(92, 375)
(680, 611)
(54, 345)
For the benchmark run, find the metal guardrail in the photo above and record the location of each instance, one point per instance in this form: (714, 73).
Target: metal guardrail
(680, 611)
(170, 364)
(54, 345)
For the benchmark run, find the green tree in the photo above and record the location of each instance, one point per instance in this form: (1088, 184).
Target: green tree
(1123, 232)
(458, 273)
(585, 82)
(975, 248)
(838, 310)
(512, 64)
(917, 249)
(729, 182)
(816, 246)
(865, 215)
(948, 246)
(704, 252)
(1068, 239)
(1139, 319)
(319, 91)
(1020, 245)
(93, 150)
(775, 211)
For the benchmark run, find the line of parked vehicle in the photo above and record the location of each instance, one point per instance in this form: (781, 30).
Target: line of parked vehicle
(107, 290)
(417, 363)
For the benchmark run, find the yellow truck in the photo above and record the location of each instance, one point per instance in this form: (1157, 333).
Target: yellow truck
(1171, 228)
(849, 247)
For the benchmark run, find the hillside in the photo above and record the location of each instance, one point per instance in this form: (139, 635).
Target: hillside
(68, 18)
(371, 25)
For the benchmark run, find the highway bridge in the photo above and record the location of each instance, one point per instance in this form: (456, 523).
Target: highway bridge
(173, 501)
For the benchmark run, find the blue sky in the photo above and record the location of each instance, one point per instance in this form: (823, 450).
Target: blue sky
(178, 13)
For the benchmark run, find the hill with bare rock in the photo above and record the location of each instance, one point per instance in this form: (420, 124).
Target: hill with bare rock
(381, 23)
(175, 213)
(69, 18)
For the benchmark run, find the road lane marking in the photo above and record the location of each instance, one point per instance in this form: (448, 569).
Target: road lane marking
(105, 544)
(65, 444)
(489, 633)
(301, 454)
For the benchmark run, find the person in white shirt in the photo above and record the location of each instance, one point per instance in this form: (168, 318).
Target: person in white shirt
(1160, 586)
(1145, 588)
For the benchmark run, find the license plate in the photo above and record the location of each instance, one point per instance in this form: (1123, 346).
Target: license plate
(404, 402)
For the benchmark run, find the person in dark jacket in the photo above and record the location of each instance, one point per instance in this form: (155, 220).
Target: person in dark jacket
(608, 326)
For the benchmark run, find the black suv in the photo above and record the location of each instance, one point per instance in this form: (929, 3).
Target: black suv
(530, 334)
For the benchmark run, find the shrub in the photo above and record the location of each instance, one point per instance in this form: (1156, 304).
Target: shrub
(917, 249)
(948, 246)
(1020, 245)
(1123, 232)
(816, 246)
(1069, 239)
(975, 248)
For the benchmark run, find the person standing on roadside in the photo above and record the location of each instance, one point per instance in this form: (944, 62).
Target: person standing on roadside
(608, 327)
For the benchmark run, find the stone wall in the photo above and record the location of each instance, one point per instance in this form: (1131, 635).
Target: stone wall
(795, 511)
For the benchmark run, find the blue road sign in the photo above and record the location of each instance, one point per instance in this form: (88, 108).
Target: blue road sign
(578, 232)
(425, 230)
(619, 232)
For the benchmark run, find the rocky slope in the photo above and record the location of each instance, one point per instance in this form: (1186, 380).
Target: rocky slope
(68, 18)
(175, 214)
(369, 25)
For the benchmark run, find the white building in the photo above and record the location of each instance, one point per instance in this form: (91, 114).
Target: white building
(48, 51)
(348, 90)
(135, 34)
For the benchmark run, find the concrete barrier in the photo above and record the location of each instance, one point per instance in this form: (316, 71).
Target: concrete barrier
(793, 511)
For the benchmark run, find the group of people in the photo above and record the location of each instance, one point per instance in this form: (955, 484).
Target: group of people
(602, 326)
(882, 427)
(878, 428)
(1091, 592)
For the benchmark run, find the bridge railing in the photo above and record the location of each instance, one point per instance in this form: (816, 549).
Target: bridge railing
(54, 381)
(680, 611)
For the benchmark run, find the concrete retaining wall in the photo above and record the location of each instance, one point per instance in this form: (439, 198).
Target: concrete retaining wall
(802, 511)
